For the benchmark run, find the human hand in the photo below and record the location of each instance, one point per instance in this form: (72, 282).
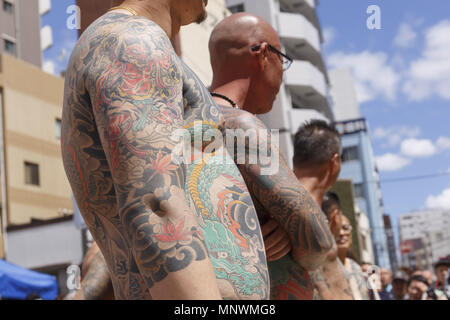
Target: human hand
(276, 240)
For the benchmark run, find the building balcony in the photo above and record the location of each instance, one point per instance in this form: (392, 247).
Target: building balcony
(296, 27)
(300, 116)
(307, 87)
(300, 39)
(306, 8)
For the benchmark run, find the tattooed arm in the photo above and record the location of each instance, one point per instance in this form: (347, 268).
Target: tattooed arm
(330, 280)
(282, 196)
(136, 91)
(96, 282)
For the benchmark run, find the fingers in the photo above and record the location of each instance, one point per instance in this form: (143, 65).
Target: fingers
(279, 251)
(276, 240)
(269, 227)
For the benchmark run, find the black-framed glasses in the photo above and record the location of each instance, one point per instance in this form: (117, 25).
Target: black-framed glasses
(285, 59)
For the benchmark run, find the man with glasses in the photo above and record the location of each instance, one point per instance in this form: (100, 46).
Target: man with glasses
(248, 67)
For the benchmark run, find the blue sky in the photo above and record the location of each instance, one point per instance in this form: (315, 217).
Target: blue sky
(64, 39)
(402, 76)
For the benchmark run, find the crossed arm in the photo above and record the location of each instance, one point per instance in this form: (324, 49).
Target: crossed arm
(96, 282)
(136, 91)
(283, 198)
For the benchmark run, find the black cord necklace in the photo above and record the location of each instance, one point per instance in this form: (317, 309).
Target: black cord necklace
(221, 96)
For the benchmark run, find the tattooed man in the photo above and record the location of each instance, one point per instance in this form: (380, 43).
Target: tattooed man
(248, 67)
(166, 230)
(317, 163)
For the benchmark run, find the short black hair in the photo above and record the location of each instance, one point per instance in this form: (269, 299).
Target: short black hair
(315, 143)
(330, 199)
(418, 278)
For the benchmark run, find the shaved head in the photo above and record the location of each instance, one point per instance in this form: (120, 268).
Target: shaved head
(232, 58)
(231, 38)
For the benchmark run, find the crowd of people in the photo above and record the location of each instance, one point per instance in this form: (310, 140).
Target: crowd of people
(168, 231)
(408, 284)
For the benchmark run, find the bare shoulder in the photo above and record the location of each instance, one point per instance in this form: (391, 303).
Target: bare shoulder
(116, 40)
(355, 266)
(234, 118)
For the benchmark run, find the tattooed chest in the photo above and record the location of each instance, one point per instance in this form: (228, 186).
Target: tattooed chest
(225, 212)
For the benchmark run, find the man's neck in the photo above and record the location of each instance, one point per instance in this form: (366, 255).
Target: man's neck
(314, 186)
(236, 90)
(157, 11)
(342, 255)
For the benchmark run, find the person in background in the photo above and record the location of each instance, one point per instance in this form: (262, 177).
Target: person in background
(400, 285)
(417, 287)
(357, 281)
(386, 284)
(428, 274)
(365, 266)
(441, 272)
(317, 164)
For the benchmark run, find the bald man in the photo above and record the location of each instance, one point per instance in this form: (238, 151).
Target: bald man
(248, 69)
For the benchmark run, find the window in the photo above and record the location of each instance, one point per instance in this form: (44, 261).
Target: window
(237, 8)
(364, 242)
(58, 128)
(10, 47)
(7, 6)
(349, 154)
(31, 174)
(359, 191)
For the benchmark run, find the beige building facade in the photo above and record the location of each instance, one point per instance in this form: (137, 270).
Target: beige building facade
(20, 28)
(194, 41)
(34, 184)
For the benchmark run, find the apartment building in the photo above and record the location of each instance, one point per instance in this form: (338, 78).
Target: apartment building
(430, 228)
(37, 209)
(20, 29)
(390, 237)
(36, 205)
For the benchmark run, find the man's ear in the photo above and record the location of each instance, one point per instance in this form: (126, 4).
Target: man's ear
(261, 54)
(335, 163)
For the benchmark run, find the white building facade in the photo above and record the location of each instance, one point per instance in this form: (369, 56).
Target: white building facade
(194, 40)
(364, 236)
(432, 226)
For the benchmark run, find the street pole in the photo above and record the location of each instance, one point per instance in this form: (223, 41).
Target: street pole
(3, 180)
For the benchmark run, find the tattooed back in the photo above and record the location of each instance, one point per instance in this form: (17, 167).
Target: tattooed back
(126, 94)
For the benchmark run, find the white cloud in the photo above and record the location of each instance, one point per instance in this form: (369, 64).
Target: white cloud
(395, 134)
(373, 76)
(443, 143)
(329, 34)
(49, 67)
(418, 148)
(405, 37)
(430, 74)
(391, 162)
(440, 201)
